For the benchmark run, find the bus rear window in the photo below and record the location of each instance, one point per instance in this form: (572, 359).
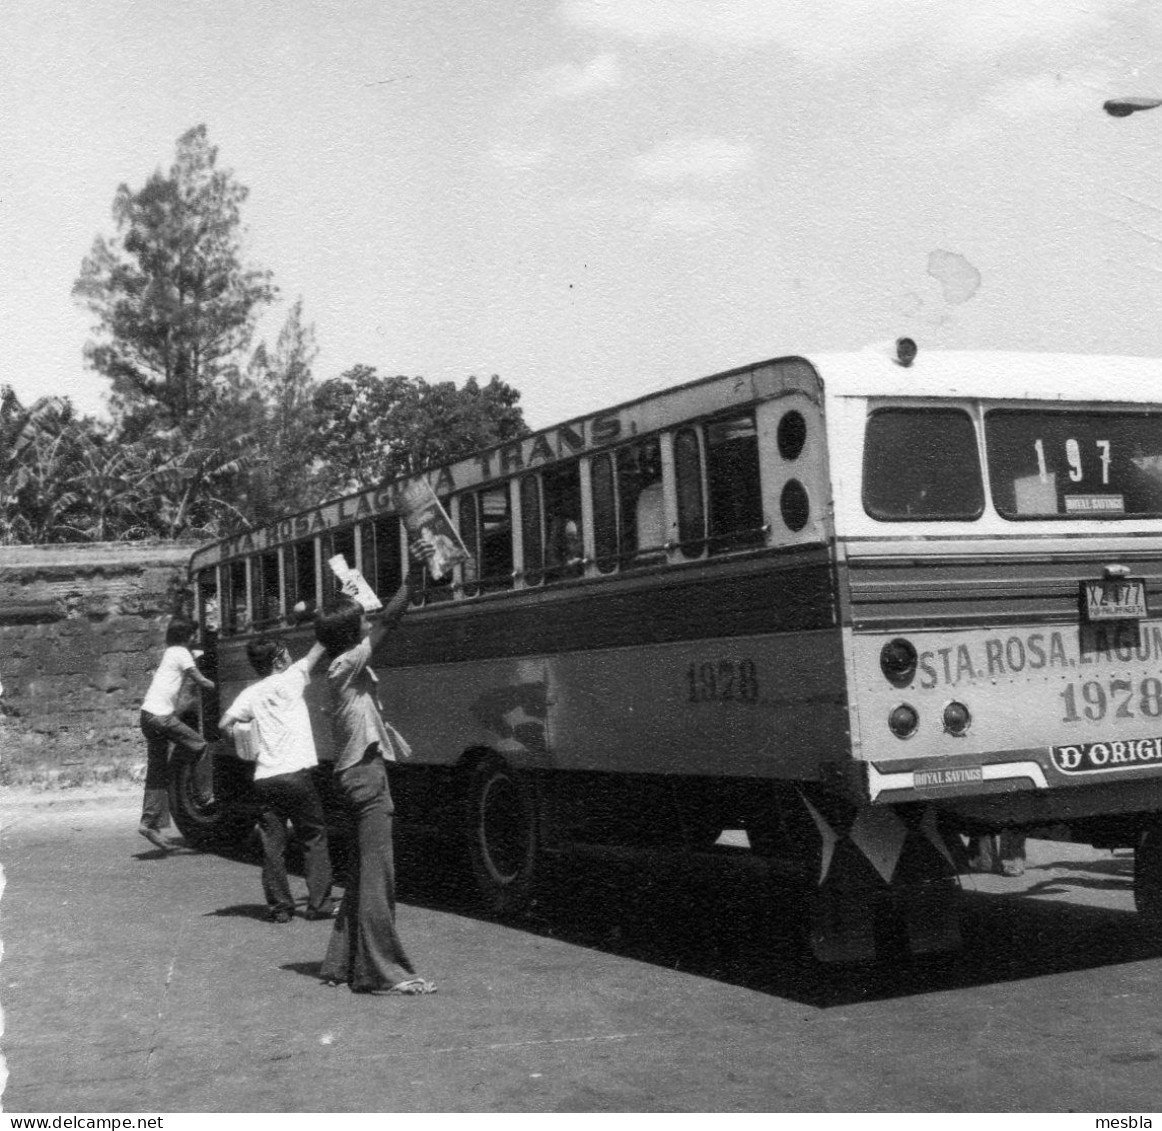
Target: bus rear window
(1060, 464)
(921, 463)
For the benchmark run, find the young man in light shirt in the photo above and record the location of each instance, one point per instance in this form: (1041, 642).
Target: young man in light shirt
(279, 735)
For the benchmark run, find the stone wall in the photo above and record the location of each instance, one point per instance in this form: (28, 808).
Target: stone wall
(81, 630)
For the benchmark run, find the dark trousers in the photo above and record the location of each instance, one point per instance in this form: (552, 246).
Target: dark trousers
(293, 797)
(161, 732)
(364, 949)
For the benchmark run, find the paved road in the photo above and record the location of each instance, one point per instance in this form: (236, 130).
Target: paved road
(136, 983)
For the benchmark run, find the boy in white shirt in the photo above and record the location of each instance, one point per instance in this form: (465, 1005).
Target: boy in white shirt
(284, 753)
(162, 727)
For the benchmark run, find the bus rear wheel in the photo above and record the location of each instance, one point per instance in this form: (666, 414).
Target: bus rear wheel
(502, 836)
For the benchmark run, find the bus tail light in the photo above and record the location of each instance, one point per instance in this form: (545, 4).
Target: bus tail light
(903, 720)
(898, 661)
(957, 718)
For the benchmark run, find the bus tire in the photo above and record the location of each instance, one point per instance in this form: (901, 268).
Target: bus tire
(200, 815)
(502, 836)
(1148, 880)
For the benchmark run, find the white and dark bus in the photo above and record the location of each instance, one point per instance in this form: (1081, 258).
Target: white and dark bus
(858, 605)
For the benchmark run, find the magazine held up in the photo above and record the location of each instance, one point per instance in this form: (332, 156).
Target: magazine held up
(424, 517)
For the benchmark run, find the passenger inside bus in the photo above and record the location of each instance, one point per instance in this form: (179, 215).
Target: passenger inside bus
(564, 553)
(651, 520)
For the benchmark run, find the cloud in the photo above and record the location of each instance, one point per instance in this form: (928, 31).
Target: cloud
(510, 156)
(848, 31)
(1045, 95)
(570, 80)
(689, 216)
(704, 159)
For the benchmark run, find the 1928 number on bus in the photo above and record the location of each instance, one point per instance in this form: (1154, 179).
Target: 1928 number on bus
(1120, 697)
(723, 681)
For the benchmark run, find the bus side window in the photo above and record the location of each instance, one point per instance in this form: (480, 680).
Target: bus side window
(208, 611)
(236, 617)
(639, 489)
(691, 499)
(732, 474)
(266, 589)
(302, 555)
(564, 548)
(486, 528)
(604, 513)
(469, 527)
(494, 518)
(366, 556)
(388, 574)
(531, 529)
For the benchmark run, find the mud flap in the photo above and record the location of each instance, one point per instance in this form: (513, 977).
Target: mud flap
(886, 880)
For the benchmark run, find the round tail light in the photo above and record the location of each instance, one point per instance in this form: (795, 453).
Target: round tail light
(903, 720)
(957, 718)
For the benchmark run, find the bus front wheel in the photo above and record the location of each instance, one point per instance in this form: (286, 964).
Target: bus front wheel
(1148, 880)
(502, 836)
(195, 805)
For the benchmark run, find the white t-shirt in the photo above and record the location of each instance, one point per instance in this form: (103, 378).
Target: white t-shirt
(166, 685)
(280, 725)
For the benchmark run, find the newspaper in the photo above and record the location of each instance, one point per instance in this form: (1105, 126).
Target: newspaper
(354, 584)
(424, 517)
(245, 743)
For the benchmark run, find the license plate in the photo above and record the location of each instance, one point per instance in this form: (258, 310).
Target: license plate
(1117, 598)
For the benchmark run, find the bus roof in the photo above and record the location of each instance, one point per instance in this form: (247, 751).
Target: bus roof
(991, 375)
(869, 373)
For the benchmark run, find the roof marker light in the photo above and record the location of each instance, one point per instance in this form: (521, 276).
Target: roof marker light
(906, 351)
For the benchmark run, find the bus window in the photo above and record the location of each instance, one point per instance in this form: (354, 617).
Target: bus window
(266, 589)
(337, 542)
(604, 513)
(300, 585)
(639, 491)
(734, 488)
(691, 503)
(564, 549)
(236, 616)
(388, 573)
(1079, 464)
(486, 528)
(531, 534)
(208, 601)
(921, 463)
(469, 535)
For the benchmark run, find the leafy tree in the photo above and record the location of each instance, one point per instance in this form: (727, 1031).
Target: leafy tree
(37, 486)
(174, 303)
(369, 428)
(282, 381)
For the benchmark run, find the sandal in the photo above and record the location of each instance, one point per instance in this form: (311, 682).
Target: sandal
(413, 986)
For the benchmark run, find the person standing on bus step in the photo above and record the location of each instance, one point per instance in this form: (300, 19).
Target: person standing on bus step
(365, 950)
(284, 756)
(162, 727)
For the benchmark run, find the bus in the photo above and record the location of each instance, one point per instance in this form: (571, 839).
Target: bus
(862, 606)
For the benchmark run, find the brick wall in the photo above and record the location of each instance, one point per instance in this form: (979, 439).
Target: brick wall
(81, 630)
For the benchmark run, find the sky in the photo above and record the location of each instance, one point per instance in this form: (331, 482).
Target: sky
(595, 199)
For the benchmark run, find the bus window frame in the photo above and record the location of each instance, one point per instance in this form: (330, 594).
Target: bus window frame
(680, 550)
